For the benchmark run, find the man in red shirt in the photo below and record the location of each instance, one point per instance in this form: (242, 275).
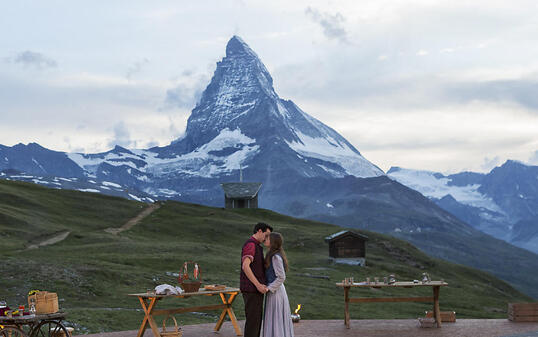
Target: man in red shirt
(252, 279)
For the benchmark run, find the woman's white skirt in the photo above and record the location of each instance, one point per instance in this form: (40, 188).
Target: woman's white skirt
(277, 320)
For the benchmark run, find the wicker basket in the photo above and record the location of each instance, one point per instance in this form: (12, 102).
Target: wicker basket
(177, 332)
(190, 285)
(45, 302)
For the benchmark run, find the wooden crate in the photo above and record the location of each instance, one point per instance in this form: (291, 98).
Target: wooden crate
(45, 302)
(446, 316)
(523, 312)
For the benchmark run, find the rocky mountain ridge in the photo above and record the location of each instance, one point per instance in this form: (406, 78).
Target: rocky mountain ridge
(502, 202)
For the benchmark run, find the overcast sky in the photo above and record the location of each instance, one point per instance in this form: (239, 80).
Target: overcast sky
(438, 85)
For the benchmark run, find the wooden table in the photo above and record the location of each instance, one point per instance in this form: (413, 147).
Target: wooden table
(149, 301)
(436, 286)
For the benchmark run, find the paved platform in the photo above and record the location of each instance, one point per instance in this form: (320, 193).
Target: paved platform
(371, 327)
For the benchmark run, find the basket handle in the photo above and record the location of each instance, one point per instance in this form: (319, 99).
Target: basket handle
(176, 328)
(184, 272)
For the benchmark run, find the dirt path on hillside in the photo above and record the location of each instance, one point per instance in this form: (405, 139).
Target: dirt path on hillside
(132, 222)
(55, 239)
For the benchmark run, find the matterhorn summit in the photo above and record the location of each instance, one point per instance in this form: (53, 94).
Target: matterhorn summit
(240, 115)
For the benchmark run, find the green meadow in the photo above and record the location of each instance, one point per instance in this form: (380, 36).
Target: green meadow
(93, 271)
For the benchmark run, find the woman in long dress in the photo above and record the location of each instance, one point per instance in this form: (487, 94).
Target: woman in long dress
(277, 320)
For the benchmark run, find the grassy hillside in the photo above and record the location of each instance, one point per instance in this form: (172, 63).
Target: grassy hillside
(385, 206)
(92, 270)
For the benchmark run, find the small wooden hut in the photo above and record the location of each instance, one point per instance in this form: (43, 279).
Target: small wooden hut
(347, 247)
(241, 195)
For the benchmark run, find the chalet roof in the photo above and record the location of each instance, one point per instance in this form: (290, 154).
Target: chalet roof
(338, 235)
(241, 190)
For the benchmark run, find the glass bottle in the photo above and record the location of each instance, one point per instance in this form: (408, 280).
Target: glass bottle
(32, 309)
(3, 307)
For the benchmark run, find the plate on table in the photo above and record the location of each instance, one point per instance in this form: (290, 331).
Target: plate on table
(215, 287)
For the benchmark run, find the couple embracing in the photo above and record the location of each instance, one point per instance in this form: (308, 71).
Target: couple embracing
(265, 275)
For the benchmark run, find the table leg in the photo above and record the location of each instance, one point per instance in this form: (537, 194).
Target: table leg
(144, 324)
(148, 317)
(436, 311)
(234, 322)
(346, 307)
(221, 320)
(230, 312)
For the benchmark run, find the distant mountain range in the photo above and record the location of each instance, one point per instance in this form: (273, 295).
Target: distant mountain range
(503, 202)
(307, 170)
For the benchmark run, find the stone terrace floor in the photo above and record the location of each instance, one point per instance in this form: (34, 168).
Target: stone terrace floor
(367, 328)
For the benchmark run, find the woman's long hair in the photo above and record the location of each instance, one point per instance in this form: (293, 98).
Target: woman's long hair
(276, 241)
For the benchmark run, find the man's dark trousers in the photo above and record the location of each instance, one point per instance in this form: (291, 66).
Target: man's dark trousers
(253, 313)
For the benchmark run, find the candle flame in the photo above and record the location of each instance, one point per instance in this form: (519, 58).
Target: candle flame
(298, 308)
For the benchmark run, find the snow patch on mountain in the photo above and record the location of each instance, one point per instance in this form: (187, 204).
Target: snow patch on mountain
(328, 149)
(92, 190)
(206, 160)
(82, 185)
(332, 172)
(38, 164)
(227, 138)
(91, 162)
(110, 184)
(134, 197)
(435, 185)
(162, 192)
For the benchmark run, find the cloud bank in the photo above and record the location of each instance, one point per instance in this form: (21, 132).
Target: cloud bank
(30, 58)
(332, 24)
(444, 86)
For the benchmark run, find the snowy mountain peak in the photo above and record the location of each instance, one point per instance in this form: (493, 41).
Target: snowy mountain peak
(239, 122)
(240, 84)
(120, 149)
(241, 97)
(394, 169)
(237, 47)
(242, 60)
(513, 164)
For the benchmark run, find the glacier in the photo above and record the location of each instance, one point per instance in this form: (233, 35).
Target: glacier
(436, 185)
